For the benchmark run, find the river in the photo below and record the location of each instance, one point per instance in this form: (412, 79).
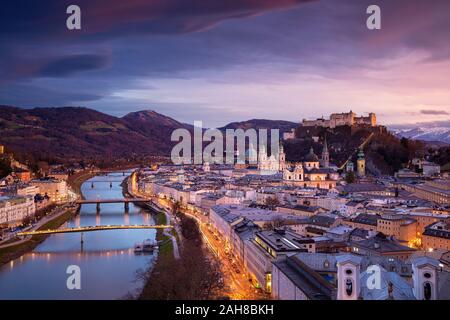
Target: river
(106, 259)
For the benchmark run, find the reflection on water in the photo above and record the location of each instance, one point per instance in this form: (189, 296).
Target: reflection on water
(106, 258)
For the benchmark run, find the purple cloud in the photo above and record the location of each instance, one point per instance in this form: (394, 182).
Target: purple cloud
(434, 112)
(69, 65)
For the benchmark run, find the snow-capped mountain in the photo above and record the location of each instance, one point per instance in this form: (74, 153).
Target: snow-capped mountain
(441, 134)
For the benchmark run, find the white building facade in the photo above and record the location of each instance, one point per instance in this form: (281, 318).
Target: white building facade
(14, 209)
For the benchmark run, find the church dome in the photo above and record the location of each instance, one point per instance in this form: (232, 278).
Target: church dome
(311, 156)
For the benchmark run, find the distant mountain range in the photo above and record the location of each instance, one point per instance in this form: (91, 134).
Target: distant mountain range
(438, 131)
(77, 132)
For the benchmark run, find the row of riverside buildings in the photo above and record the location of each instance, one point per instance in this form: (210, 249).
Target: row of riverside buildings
(20, 200)
(22, 195)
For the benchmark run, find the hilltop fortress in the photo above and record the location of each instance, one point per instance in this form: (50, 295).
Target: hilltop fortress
(342, 119)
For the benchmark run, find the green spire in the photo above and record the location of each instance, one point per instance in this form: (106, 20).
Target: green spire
(360, 154)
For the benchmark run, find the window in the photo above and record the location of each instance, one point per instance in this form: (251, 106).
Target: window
(427, 291)
(349, 286)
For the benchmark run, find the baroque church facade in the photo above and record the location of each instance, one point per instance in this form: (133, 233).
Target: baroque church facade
(271, 164)
(312, 172)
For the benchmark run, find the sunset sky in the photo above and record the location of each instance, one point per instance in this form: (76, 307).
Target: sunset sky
(223, 61)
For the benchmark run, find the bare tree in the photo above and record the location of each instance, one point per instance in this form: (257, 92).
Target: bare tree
(272, 202)
(275, 223)
(175, 208)
(195, 276)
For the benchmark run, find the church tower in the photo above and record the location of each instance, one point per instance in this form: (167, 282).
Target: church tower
(282, 158)
(348, 276)
(425, 278)
(262, 158)
(325, 155)
(361, 164)
(252, 154)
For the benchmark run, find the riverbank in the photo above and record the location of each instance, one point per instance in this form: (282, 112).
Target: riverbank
(76, 180)
(165, 258)
(165, 241)
(124, 186)
(22, 247)
(166, 252)
(16, 251)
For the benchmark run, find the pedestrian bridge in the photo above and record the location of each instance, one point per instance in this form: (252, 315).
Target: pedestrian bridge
(92, 228)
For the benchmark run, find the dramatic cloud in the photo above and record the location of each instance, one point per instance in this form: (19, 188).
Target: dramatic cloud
(73, 64)
(44, 19)
(221, 61)
(35, 96)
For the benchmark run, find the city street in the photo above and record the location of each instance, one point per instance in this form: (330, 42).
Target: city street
(236, 285)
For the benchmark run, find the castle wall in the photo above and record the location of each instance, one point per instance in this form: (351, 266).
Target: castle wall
(342, 119)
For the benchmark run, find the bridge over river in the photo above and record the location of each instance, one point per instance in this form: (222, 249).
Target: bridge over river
(92, 228)
(125, 201)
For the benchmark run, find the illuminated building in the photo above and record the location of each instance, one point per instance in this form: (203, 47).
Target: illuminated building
(14, 209)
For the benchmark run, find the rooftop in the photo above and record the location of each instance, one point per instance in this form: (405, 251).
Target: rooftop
(401, 289)
(368, 219)
(311, 283)
(282, 240)
(301, 207)
(440, 229)
(254, 214)
(322, 220)
(361, 187)
(382, 244)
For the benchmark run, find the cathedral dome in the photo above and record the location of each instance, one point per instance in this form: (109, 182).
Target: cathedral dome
(311, 156)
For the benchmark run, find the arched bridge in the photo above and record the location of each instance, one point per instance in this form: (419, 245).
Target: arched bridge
(92, 228)
(125, 201)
